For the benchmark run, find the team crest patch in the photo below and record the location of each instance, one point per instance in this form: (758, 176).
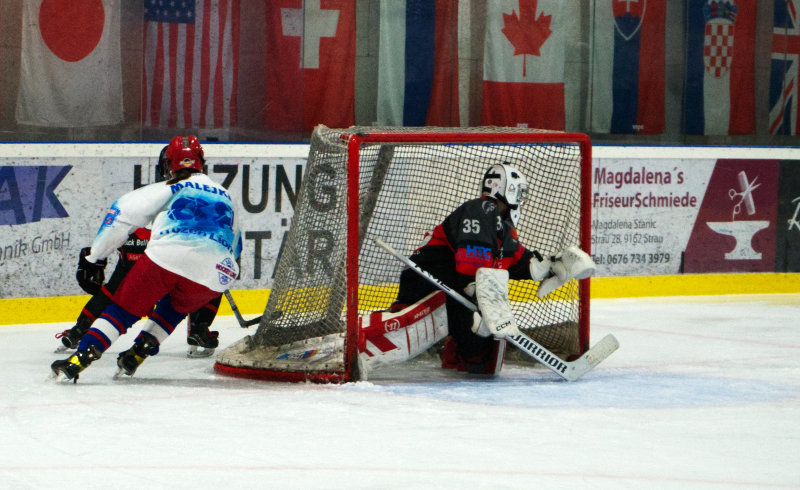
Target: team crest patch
(111, 216)
(226, 271)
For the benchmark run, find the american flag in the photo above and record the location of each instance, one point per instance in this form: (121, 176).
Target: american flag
(191, 63)
(785, 69)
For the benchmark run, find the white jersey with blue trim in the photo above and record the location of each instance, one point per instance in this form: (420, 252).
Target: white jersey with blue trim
(194, 232)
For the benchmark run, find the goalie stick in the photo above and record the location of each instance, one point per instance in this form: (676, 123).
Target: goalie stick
(242, 322)
(569, 370)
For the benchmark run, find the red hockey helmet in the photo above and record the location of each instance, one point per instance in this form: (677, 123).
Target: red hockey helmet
(185, 152)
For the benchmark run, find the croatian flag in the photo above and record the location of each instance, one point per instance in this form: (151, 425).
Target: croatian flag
(191, 58)
(524, 62)
(628, 67)
(783, 80)
(310, 64)
(418, 63)
(720, 67)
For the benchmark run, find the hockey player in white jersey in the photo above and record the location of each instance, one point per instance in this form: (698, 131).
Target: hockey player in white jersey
(190, 259)
(91, 278)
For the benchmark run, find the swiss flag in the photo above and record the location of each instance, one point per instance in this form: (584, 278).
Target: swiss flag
(524, 61)
(70, 67)
(310, 64)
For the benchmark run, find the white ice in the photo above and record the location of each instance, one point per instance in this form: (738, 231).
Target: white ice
(704, 393)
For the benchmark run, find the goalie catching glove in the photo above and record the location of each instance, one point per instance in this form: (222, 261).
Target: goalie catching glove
(91, 276)
(572, 263)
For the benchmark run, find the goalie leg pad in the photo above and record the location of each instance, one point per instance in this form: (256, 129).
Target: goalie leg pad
(492, 291)
(393, 337)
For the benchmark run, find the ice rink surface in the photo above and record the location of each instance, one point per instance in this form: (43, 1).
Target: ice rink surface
(704, 393)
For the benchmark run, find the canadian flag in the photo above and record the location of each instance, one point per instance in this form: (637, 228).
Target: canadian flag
(524, 61)
(70, 67)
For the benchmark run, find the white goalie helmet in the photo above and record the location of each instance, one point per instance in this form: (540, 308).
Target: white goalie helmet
(507, 184)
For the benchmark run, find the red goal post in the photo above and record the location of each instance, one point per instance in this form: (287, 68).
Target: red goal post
(396, 184)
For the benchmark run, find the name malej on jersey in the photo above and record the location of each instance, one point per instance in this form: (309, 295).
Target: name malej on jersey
(191, 231)
(200, 187)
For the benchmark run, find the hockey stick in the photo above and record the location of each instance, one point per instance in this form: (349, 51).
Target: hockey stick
(569, 370)
(242, 322)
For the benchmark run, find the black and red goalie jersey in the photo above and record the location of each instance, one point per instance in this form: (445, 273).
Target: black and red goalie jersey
(474, 235)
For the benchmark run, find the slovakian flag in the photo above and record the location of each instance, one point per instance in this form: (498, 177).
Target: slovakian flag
(418, 63)
(191, 58)
(524, 62)
(70, 63)
(628, 67)
(720, 67)
(784, 68)
(310, 64)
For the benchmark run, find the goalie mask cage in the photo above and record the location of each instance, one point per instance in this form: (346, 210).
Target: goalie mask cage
(397, 184)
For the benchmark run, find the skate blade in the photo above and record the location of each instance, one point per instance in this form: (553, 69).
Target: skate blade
(120, 374)
(61, 378)
(195, 352)
(61, 348)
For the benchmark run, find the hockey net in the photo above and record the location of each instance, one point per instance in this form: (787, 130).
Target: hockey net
(397, 184)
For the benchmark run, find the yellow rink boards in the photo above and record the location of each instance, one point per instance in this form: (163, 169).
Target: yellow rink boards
(252, 302)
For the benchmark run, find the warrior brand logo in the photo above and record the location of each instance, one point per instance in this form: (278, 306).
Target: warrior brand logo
(392, 325)
(541, 354)
(421, 314)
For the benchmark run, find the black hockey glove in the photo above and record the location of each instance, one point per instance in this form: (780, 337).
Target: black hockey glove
(90, 276)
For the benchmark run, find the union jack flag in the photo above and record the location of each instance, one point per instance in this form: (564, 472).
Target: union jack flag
(784, 68)
(191, 63)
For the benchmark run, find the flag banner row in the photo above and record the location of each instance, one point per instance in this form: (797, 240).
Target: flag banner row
(71, 64)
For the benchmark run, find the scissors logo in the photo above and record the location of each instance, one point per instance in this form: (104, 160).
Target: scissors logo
(793, 222)
(745, 196)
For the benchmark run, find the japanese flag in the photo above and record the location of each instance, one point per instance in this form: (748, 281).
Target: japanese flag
(70, 68)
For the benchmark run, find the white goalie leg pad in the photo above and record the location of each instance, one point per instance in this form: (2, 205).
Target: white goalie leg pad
(389, 338)
(572, 263)
(492, 292)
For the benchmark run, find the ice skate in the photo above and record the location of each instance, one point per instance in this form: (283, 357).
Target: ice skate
(202, 342)
(130, 360)
(71, 337)
(69, 369)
